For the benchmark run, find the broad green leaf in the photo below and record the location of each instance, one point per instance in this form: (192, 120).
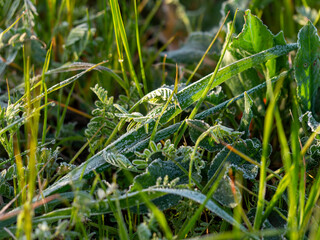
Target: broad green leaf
(10, 55)
(196, 128)
(276, 65)
(255, 36)
(282, 62)
(77, 39)
(135, 140)
(246, 116)
(8, 174)
(307, 67)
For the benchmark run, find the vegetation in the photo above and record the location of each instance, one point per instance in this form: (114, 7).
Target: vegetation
(159, 119)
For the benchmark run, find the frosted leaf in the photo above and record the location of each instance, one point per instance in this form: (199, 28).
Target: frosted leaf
(312, 123)
(118, 160)
(250, 147)
(224, 194)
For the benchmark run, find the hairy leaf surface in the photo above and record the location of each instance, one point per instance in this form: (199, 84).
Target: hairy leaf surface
(307, 67)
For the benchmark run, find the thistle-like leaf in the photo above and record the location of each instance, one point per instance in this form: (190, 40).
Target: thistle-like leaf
(101, 125)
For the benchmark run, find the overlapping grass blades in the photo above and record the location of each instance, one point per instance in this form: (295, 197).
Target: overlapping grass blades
(186, 97)
(126, 201)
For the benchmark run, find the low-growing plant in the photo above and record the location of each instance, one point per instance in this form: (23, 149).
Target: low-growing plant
(230, 152)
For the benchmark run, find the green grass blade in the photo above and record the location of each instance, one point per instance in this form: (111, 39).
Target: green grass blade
(119, 27)
(310, 204)
(143, 75)
(204, 95)
(62, 117)
(44, 89)
(263, 169)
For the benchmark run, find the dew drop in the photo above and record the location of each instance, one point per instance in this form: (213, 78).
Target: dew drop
(305, 65)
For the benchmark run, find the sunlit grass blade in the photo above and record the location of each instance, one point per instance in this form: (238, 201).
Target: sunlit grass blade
(120, 30)
(11, 26)
(204, 95)
(266, 137)
(44, 90)
(310, 204)
(143, 75)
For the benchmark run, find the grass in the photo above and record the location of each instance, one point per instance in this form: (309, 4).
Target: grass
(159, 119)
